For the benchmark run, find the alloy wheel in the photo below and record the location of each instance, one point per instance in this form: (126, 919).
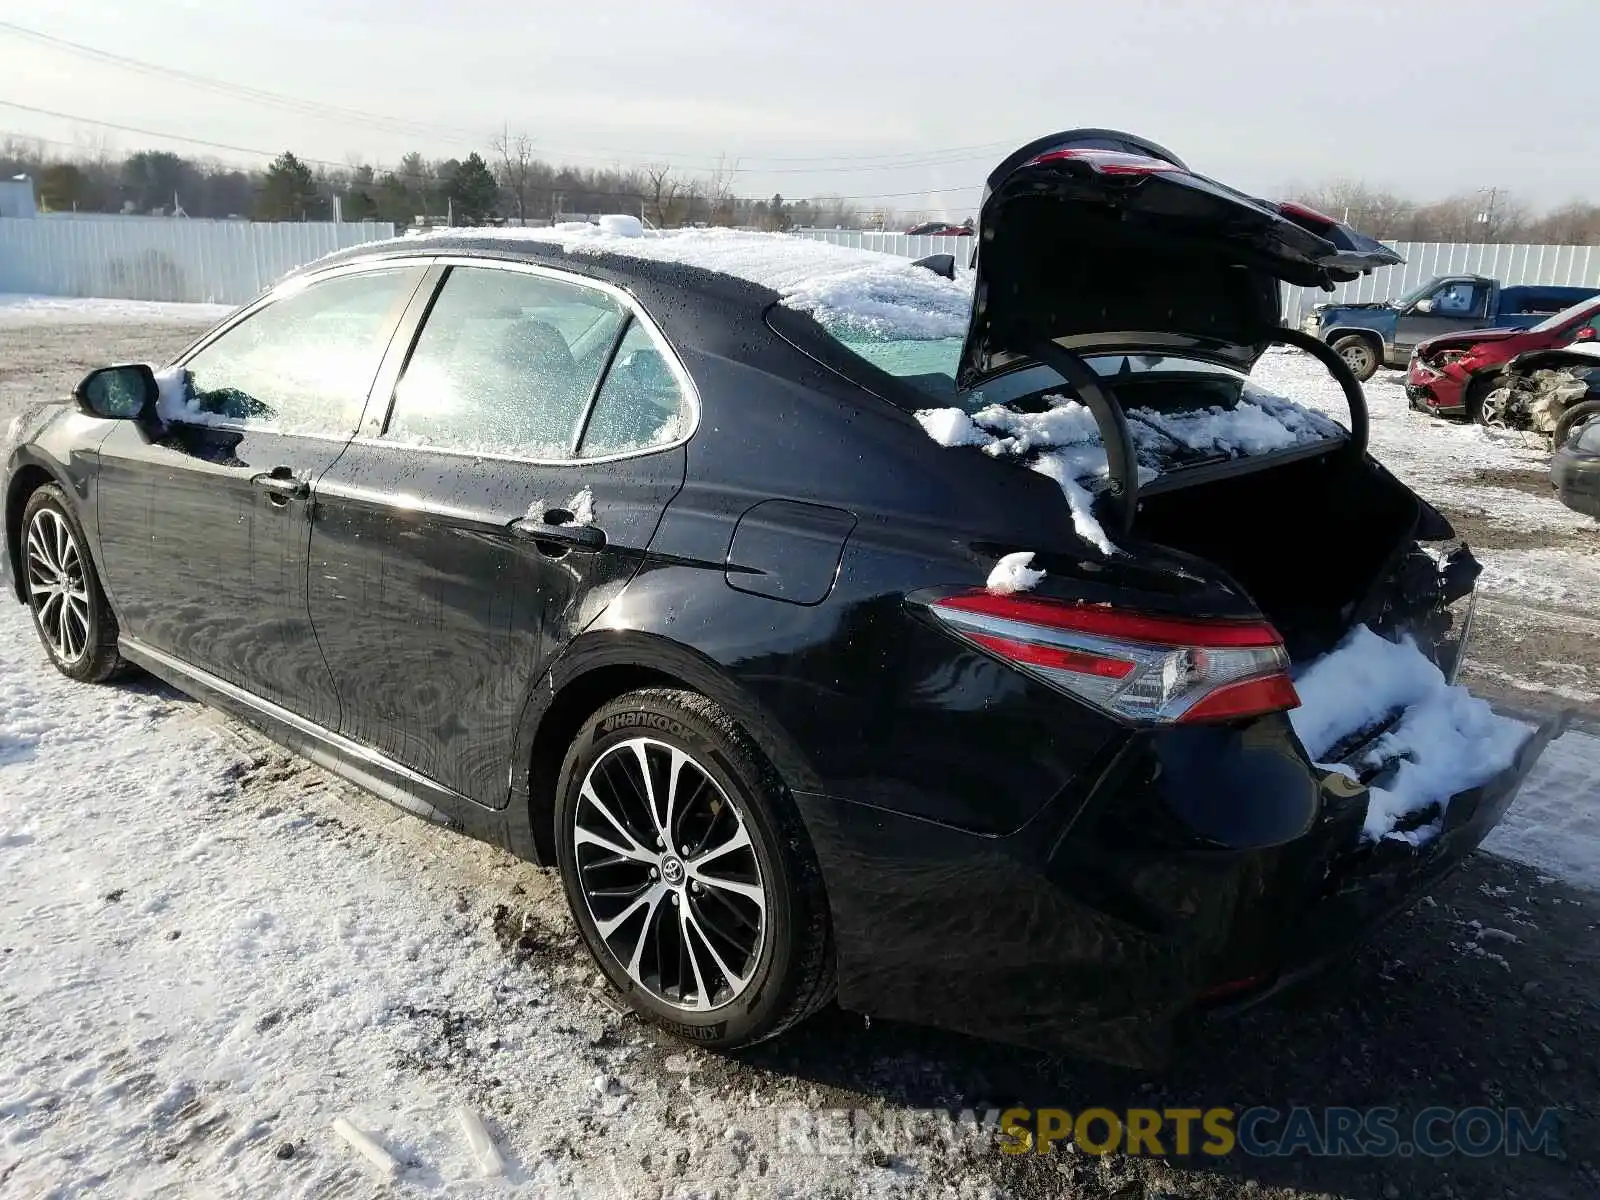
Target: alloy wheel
(1358, 358)
(56, 585)
(1495, 413)
(669, 875)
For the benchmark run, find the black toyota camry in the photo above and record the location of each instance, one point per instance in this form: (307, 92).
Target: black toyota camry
(930, 636)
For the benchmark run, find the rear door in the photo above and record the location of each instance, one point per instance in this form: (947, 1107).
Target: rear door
(205, 527)
(534, 435)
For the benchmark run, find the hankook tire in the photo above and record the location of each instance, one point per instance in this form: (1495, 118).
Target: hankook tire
(689, 872)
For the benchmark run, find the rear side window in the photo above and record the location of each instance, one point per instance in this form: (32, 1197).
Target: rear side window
(505, 364)
(304, 363)
(642, 403)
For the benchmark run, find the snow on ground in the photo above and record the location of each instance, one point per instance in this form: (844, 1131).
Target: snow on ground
(200, 966)
(40, 310)
(1555, 822)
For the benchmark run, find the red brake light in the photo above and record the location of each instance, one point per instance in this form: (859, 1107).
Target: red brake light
(1119, 623)
(1107, 162)
(1056, 657)
(1294, 210)
(1249, 698)
(1135, 665)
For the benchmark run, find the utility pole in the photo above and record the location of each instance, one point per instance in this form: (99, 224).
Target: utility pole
(1486, 217)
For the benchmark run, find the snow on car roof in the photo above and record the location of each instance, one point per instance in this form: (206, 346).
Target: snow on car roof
(860, 292)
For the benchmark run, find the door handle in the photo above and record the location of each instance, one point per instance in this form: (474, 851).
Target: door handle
(558, 528)
(282, 485)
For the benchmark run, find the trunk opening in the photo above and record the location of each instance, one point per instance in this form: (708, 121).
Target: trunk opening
(1316, 543)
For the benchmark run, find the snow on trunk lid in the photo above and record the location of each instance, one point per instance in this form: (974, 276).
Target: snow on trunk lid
(1063, 441)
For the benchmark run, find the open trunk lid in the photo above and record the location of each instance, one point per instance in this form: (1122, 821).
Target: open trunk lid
(1093, 242)
(1101, 241)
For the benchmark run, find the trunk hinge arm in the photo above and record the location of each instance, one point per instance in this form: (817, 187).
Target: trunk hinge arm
(1360, 424)
(1122, 494)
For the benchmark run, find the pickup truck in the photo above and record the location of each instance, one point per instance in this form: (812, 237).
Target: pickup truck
(1384, 333)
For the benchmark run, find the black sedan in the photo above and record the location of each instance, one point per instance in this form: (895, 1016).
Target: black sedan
(633, 554)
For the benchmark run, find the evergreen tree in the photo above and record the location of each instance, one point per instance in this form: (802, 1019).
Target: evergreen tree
(288, 190)
(397, 202)
(63, 186)
(473, 191)
(153, 177)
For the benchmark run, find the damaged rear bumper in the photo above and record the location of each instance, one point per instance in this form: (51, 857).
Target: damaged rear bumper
(1366, 883)
(1205, 870)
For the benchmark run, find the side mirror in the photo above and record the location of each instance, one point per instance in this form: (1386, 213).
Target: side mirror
(1423, 306)
(120, 393)
(1586, 334)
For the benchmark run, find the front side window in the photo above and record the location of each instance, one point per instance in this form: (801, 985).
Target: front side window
(642, 403)
(304, 363)
(505, 364)
(1456, 300)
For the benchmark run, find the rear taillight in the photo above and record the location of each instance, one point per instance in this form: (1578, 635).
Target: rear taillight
(1134, 665)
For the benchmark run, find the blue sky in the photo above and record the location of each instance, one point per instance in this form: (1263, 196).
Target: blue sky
(872, 100)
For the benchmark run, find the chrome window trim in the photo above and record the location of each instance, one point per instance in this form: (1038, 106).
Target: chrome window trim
(282, 291)
(632, 311)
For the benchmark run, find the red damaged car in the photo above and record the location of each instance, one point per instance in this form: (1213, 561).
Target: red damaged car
(1450, 376)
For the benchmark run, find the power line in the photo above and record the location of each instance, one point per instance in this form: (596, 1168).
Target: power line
(341, 166)
(866, 163)
(260, 95)
(155, 133)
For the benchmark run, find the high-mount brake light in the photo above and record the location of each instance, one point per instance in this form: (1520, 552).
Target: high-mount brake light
(1141, 666)
(1304, 212)
(1107, 162)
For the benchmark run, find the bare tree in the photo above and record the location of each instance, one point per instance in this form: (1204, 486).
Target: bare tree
(517, 168)
(836, 212)
(1371, 210)
(661, 193)
(719, 190)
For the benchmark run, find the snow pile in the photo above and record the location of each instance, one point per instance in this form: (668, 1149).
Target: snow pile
(1260, 424)
(71, 310)
(1014, 574)
(1064, 440)
(857, 292)
(173, 400)
(581, 506)
(1444, 742)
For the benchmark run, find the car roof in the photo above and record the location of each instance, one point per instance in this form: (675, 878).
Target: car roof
(617, 270)
(877, 295)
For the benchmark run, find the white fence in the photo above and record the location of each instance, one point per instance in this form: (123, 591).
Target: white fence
(1575, 266)
(132, 258)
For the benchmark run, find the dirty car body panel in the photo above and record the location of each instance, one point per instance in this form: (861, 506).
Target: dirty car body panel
(999, 856)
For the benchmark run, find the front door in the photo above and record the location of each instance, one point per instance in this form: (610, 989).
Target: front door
(205, 529)
(535, 437)
(1456, 305)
